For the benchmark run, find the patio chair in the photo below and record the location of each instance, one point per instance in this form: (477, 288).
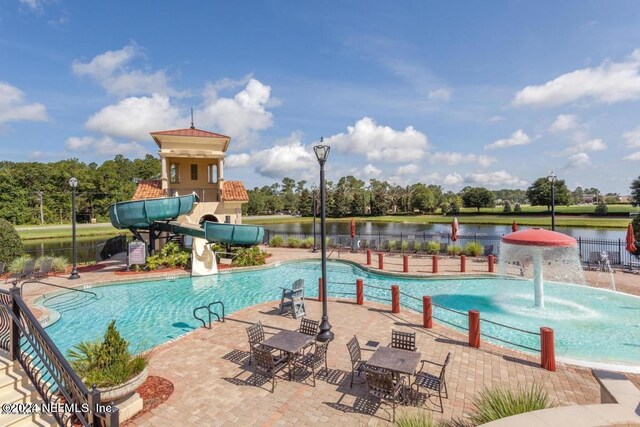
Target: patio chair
(383, 385)
(432, 382)
(403, 340)
(355, 354)
(46, 266)
(384, 246)
(424, 248)
(256, 337)
(314, 360)
(411, 247)
(488, 250)
(373, 244)
(27, 271)
(293, 299)
(614, 257)
(268, 365)
(309, 327)
(594, 261)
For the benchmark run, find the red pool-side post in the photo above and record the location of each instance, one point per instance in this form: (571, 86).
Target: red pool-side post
(547, 349)
(427, 318)
(320, 289)
(490, 260)
(359, 292)
(474, 328)
(434, 264)
(368, 256)
(380, 261)
(405, 264)
(463, 263)
(395, 299)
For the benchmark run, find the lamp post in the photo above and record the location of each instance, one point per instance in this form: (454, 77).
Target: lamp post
(313, 196)
(73, 183)
(322, 152)
(552, 179)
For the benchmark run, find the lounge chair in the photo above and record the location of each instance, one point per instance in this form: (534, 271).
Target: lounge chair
(383, 385)
(432, 382)
(403, 340)
(268, 365)
(27, 271)
(315, 359)
(355, 354)
(46, 267)
(293, 299)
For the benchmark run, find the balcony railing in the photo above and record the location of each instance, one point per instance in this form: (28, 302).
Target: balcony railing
(204, 194)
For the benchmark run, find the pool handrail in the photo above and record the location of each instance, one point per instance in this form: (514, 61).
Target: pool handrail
(56, 286)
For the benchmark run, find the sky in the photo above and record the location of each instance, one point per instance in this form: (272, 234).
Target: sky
(492, 94)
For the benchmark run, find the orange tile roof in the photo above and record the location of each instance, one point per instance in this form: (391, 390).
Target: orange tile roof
(190, 132)
(149, 189)
(234, 191)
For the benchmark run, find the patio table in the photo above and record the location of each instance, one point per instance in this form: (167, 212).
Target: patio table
(396, 360)
(290, 342)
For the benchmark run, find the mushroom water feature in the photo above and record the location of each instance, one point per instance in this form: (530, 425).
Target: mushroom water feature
(538, 254)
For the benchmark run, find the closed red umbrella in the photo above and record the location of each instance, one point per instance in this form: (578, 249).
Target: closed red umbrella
(514, 227)
(454, 229)
(353, 228)
(631, 239)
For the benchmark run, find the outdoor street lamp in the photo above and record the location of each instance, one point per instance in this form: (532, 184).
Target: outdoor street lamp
(322, 152)
(552, 179)
(73, 183)
(313, 195)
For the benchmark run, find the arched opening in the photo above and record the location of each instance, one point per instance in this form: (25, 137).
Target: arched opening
(208, 217)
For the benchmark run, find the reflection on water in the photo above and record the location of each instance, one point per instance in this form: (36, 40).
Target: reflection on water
(85, 247)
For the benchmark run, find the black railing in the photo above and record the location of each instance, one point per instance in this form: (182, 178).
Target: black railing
(56, 382)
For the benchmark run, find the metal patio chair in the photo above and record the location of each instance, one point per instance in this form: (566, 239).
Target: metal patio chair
(432, 382)
(314, 360)
(255, 333)
(403, 340)
(355, 354)
(268, 365)
(383, 385)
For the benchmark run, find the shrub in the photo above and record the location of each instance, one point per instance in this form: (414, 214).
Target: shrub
(414, 419)
(10, 243)
(474, 249)
(276, 241)
(454, 250)
(517, 208)
(455, 209)
(108, 362)
(17, 264)
(246, 257)
(392, 244)
(507, 207)
(445, 208)
(307, 243)
(601, 209)
(405, 246)
(500, 402)
(171, 255)
(433, 247)
(292, 242)
(60, 264)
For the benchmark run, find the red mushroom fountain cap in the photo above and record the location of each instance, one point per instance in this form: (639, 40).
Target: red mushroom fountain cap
(539, 237)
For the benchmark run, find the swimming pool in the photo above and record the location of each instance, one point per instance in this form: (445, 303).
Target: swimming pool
(590, 324)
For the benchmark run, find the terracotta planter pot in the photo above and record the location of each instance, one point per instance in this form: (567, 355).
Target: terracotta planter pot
(123, 391)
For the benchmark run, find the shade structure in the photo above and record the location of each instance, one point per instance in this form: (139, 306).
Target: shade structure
(631, 239)
(353, 228)
(539, 237)
(514, 227)
(454, 229)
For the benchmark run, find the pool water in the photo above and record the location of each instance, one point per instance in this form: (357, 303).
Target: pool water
(590, 324)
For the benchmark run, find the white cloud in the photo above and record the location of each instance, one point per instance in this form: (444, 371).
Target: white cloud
(452, 179)
(32, 5)
(578, 160)
(494, 179)
(452, 159)
(110, 69)
(382, 143)
(516, 138)
(134, 118)
(237, 160)
(442, 94)
(632, 138)
(284, 160)
(607, 83)
(563, 123)
(240, 117)
(590, 145)
(496, 119)
(13, 106)
(370, 171)
(105, 146)
(633, 156)
(409, 169)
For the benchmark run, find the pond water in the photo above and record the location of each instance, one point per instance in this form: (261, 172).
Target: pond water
(85, 247)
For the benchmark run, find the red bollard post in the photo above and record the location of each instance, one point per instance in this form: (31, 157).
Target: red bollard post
(380, 261)
(547, 349)
(490, 260)
(320, 289)
(474, 328)
(395, 299)
(359, 292)
(434, 264)
(427, 318)
(405, 263)
(368, 256)
(463, 263)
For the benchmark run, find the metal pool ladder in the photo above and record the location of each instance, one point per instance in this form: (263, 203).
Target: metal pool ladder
(210, 312)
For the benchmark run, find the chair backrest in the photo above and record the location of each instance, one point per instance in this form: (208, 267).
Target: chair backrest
(444, 367)
(46, 265)
(614, 257)
(403, 340)
(255, 333)
(354, 350)
(29, 266)
(594, 257)
(263, 359)
(379, 380)
(411, 246)
(320, 354)
(488, 250)
(298, 286)
(309, 327)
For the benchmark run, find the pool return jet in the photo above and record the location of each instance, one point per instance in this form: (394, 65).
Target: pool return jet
(160, 215)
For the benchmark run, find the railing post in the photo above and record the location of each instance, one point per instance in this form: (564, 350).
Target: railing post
(427, 318)
(359, 292)
(434, 261)
(14, 345)
(380, 261)
(490, 260)
(547, 349)
(395, 299)
(463, 263)
(93, 400)
(474, 328)
(405, 263)
(368, 256)
(319, 289)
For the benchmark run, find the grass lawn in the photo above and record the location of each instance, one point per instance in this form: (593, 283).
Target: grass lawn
(53, 233)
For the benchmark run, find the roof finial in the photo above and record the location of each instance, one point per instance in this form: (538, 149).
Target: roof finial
(192, 126)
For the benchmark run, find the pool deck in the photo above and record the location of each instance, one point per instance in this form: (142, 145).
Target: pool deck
(215, 386)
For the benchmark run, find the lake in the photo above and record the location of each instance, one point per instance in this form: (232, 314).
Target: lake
(85, 247)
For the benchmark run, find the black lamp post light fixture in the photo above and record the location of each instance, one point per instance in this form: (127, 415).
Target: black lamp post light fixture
(552, 179)
(73, 183)
(322, 152)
